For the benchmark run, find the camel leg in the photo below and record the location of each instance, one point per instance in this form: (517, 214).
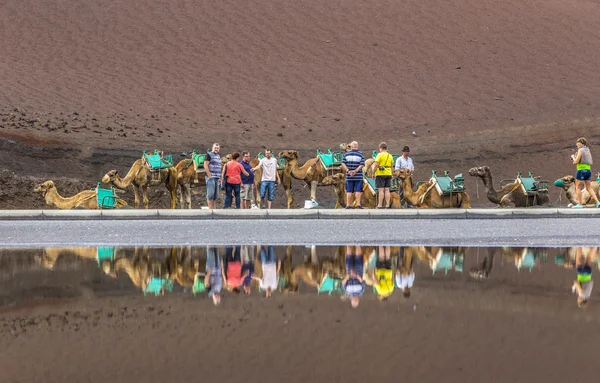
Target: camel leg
(313, 190)
(466, 201)
(136, 197)
(145, 196)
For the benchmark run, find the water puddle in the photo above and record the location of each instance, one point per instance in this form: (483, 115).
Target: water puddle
(47, 276)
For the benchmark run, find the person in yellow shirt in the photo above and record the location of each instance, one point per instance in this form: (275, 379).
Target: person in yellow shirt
(383, 176)
(383, 275)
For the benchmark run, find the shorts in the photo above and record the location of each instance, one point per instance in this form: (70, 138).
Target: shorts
(356, 263)
(383, 264)
(267, 186)
(212, 188)
(354, 186)
(246, 192)
(584, 273)
(383, 182)
(583, 175)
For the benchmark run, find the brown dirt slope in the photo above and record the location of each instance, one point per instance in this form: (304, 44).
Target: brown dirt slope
(508, 84)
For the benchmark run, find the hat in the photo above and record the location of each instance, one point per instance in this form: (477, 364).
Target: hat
(405, 149)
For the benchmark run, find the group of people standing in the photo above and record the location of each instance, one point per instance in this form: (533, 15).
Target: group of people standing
(236, 178)
(353, 165)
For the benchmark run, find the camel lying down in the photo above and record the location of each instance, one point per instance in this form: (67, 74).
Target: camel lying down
(86, 199)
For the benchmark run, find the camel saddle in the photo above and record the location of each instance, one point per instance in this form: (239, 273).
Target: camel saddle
(529, 185)
(156, 161)
(447, 186)
(198, 159)
(331, 160)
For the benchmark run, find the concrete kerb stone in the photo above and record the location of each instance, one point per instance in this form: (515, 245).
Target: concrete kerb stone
(71, 214)
(343, 213)
(130, 214)
(393, 213)
(185, 214)
(443, 213)
(293, 213)
(235, 214)
(20, 214)
(488, 213)
(535, 213)
(578, 213)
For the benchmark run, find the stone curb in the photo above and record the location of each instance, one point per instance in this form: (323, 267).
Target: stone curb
(205, 214)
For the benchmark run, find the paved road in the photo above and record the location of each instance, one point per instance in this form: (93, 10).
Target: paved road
(478, 232)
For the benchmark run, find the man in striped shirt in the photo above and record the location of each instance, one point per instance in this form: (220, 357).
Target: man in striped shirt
(352, 164)
(353, 283)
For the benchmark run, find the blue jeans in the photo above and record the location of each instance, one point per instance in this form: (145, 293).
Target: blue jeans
(583, 175)
(268, 255)
(270, 186)
(213, 261)
(212, 188)
(229, 189)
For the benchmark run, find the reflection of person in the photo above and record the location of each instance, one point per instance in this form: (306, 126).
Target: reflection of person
(383, 175)
(583, 161)
(354, 285)
(405, 276)
(232, 270)
(247, 268)
(270, 270)
(584, 284)
(213, 279)
(383, 275)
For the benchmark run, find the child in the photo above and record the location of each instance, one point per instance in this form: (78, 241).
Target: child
(584, 284)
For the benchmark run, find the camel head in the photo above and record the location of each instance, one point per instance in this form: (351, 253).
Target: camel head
(289, 155)
(565, 182)
(402, 173)
(226, 159)
(110, 176)
(480, 171)
(345, 147)
(44, 187)
(335, 179)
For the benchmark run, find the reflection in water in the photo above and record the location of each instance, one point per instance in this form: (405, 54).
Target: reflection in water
(353, 272)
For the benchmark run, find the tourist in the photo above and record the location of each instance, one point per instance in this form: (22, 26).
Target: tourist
(583, 162)
(232, 269)
(213, 278)
(383, 176)
(212, 167)
(353, 283)
(232, 172)
(405, 276)
(406, 163)
(270, 270)
(352, 164)
(269, 176)
(247, 191)
(382, 275)
(247, 268)
(584, 284)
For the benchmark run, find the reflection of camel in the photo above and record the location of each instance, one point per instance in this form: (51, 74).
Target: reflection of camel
(86, 199)
(368, 199)
(140, 177)
(567, 183)
(51, 254)
(312, 171)
(314, 269)
(510, 194)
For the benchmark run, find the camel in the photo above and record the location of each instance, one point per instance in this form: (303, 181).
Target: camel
(86, 199)
(312, 171)
(368, 199)
(140, 177)
(427, 197)
(510, 195)
(567, 183)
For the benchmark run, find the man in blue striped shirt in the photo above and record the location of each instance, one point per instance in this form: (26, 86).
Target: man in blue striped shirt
(352, 164)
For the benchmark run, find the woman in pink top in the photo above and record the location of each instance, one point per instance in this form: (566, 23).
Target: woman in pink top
(232, 269)
(233, 170)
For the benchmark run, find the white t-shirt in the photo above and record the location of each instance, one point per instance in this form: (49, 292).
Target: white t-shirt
(403, 281)
(586, 290)
(404, 163)
(269, 169)
(269, 278)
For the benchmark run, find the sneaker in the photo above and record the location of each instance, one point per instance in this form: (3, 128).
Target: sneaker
(380, 207)
(598, 204)
(348, 207)
(314, 203)
(359, 207)
(578, 206)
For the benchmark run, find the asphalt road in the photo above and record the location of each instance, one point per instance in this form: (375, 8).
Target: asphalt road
(466, 232)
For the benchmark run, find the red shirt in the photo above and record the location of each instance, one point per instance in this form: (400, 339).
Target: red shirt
(234, 274)
(233, 171)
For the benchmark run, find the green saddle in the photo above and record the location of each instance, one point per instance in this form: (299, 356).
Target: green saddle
(447, 185)
(105, 254)
(330, 159)
(198, 159)
(330, 284)
(158, 285)
(157, 161)
(106, 198)
(531, 186)
(199, 285)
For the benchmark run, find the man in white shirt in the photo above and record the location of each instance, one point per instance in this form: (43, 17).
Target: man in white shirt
(405, 275)
(404, 162)
(269, 176)
(270, 270)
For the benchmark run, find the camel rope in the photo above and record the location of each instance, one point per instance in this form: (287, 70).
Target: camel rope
(422, 197)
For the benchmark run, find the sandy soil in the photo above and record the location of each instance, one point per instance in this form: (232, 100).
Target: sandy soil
(76, 324)
(87, 87)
